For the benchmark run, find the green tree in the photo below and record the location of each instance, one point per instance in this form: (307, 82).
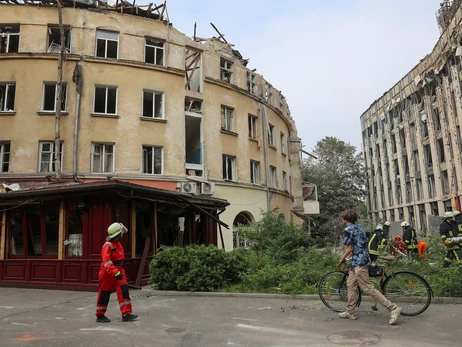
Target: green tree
(338, 173)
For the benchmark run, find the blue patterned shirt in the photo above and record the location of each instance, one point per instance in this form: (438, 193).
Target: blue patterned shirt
(355, 236)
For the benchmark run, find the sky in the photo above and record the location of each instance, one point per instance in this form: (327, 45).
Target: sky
(330, 59)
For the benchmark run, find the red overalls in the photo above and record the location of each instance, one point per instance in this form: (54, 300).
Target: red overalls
(112, 254)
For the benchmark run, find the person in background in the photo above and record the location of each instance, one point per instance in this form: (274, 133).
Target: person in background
(398, 245)
(112, 275)
(410, 241)
(448, 230)
(386, 230)
(354, 238)
(375, 244)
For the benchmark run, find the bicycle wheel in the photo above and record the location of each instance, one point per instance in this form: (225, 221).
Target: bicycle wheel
(408, 290)
(333, 290)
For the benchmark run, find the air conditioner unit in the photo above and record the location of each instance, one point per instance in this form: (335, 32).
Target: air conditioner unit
(188, 187)
(207, 188)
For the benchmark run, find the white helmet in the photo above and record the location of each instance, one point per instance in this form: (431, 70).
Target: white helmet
(379, 227)
(115, 229)
(404, 224)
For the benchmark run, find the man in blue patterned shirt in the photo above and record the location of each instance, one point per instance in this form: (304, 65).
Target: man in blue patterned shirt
(355, 240)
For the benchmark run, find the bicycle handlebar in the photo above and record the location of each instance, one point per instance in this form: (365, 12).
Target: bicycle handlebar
(339, 268)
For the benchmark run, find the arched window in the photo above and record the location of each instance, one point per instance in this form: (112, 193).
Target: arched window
(243, 218)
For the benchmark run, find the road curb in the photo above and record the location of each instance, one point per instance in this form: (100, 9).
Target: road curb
(147, 291)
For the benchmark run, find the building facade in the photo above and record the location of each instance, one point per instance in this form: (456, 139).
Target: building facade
(412, 137)
(145, 104)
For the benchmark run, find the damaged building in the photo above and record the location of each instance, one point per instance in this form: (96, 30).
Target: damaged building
(412, 138)
(174, 136)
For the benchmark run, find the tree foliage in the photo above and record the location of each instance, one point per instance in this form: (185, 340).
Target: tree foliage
(338, 173)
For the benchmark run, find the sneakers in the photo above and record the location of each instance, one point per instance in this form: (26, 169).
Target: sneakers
(348, 315)
(103, 319)
(394, 315)
(129, 317)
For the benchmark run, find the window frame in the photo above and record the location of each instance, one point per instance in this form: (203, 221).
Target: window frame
(5, 156)
(103, 156)
(229, 160)
(226, 70)
(105, 43)
(107, 87)
(227, 121)
(273, 177)
(8, 37)
(253, 128)
(255, 172)
(251, 82)
(283, 143)
(156, 49)
(63, 100)
(154, 93)
(153, 148)
(271, 139)
(7, 85)
(284, 181)
(51, 164)
(67, 40)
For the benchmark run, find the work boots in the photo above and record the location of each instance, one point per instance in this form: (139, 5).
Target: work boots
(129, 317)
(103, 319)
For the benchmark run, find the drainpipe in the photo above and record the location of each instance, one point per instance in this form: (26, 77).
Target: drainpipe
(265, 152)
(77, 79)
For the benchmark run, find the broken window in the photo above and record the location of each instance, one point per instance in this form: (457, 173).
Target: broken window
(7, 94)
(107, 44)
(154, 52)
(445, 182)
(153, 104)
(193, 70)
(4, 156)
(412, 134)
(193, 138)
(252, 127)
(105, 100)
(284, 180)
(9, 39)
(268, 92)
(283, 143)
(229, 168)
(47, 156)
(251, 82)
(49, 94)
(271, 139)
(436, 119)
(152, 160)
(226, 70)
(431, 186)
(393, 143)
(102, 157)
(440, 147)
(272, 182)
(54, 39)
(428, 156)
(227, 121)
(254, 172)
(423, 125)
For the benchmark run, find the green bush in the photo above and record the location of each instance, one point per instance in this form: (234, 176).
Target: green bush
(196, 268)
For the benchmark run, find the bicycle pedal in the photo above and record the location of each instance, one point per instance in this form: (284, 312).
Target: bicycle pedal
(375, 308)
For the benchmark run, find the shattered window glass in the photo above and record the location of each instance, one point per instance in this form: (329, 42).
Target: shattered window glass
(107, 44)
(152, 160)
(154, 52)
(7, 94)
(9, 39)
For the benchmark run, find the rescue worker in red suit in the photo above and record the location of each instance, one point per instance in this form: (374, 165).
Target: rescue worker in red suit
(112, 275)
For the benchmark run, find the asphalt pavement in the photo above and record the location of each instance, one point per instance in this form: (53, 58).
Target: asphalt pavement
(37, 318)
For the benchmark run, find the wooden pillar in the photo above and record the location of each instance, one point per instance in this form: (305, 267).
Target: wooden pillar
(133, 229)
(61, 231)
(3, 236)
(154, 231)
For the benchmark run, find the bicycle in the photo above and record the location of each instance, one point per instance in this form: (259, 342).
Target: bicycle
(408, 289)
